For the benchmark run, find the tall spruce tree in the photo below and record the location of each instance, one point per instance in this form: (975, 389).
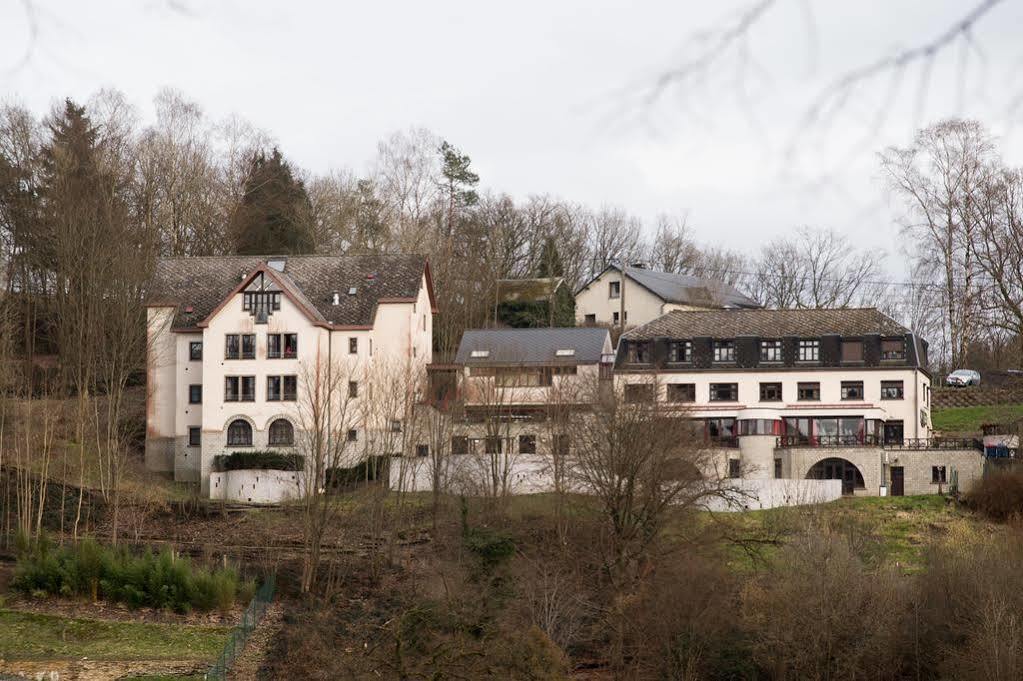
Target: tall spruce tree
(550, 264)
(275, 214)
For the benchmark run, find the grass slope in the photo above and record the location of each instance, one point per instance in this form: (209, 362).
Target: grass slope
(26, 635)
(970, 419)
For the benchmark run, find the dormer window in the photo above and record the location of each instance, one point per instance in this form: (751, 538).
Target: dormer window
(565, 353)
(809, 351)
(680, 351)
(893, 349)
(352, 291)
(479, 354)
(724, 351)
(638, 353)
(261, 298)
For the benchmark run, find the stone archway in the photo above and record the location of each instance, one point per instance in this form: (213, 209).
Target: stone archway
(836, 468)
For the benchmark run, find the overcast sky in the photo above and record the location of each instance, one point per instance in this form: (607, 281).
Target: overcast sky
(549, 97)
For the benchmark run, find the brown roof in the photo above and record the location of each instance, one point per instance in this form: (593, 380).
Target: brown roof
(199, 285)
(768, 324)
(528, 290)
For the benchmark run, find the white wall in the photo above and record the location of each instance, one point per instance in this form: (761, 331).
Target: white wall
(257, 486)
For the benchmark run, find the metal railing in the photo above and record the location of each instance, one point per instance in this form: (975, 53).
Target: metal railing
(936, 443)
(251, 618)
(828, 441)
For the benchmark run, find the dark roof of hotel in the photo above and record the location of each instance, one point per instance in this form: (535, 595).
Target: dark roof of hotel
(685, 289)
(533, 346)
(768, 324)
(203, 283)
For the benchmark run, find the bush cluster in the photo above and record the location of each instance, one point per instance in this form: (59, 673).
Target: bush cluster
(258, 460)
(998, 496)
(156, 580)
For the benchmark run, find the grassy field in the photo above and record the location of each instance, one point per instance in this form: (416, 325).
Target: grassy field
(33, 636)
(970, 419)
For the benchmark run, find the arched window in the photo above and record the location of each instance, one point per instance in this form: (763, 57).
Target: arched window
(239, 433)
(282, 432)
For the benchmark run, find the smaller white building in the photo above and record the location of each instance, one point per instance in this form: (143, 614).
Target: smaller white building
(645, 295)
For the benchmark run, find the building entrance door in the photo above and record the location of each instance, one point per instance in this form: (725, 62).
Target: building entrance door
(898, 481)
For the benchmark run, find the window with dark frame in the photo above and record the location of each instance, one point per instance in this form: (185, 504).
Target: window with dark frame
(195, 393)
(232, 346)
(724, 351)
(194, 436)
(681, 392)
(493, 444)
(777, 469)
(680, 351)
(808, 392)
(281, 433)
(809, 351)
(892, 390)
(527, 444)
(422, 451)
(239, 434)
(770, 351)
(590, 320)
(353, 388)
(562, 444)
(353, 345)
(195, 351)
(248, 346)
(893, 349)
(459, 444)
(938, 475)
(395, 426)
(770, 392)
(636, 393)
(239, 388)
(852, 351)
(281, 345)
(281, 388)
(637, 352)
(353, 435)
(734, 469)
(852, 390)
(724, 392)
(614, 289)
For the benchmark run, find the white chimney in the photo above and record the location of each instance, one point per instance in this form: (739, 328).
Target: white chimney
(336, 298)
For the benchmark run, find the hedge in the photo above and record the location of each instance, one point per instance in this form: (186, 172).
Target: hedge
(258, 460)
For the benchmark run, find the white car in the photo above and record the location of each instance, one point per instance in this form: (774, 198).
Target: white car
(963, 377)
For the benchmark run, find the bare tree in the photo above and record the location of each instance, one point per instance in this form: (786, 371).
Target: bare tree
(614, 238)
(672, 249)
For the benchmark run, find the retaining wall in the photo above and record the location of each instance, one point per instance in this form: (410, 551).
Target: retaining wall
(256, 486)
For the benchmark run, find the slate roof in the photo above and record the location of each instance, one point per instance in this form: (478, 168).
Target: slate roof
(768, 324)
(533, 346)
(202, 284)
(531, 290)
(684, 289)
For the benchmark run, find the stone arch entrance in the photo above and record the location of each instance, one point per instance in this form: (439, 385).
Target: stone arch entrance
(835, 468)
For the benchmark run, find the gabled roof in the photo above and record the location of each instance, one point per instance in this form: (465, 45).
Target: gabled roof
(533, 346)
(200, 286)
(528, 290)
(683, 289)
(768, 324)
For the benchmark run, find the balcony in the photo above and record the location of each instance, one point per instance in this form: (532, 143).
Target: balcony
(867, 440)
(908, 444)
(936, 443)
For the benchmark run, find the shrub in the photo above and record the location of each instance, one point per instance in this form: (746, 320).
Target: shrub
(157, 580)
(259, 460)
(998, 496)
(492, 547)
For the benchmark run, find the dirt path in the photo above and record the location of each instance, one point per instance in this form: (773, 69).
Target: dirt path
(247, 666)
(99, 670)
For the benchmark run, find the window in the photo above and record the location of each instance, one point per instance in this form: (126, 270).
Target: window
(353, 388)
(562, 444)
(395, 426)
(231, 347)
(493, 445)
(615, 318)
(777, 468)
(636, 393)
(352, 435)
(770, 392)
(724, 351)
(459, 445)
(681, 392)
(239, 388)
(809, 392)
(637, 353)
(760, 427)
(809, 351)
(938, 475)
(590, 320)
(680, 351)
(248, 346)
(422, 451)
(893, 349)
(353, 346)
(194, 436)
(852, 351)
(614, 289)
(724, 392)
(281, 345)
(515, 377)
(527, 444)
(281, 388)
(720, 429)
(891, 390)
(733, 468)
(852, 390)
(195, 351)
(195, 394)
(281, 433)
(770, 351)
(239, 434)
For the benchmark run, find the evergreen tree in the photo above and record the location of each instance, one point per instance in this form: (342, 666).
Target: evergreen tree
(550, 260)
(275, 214)
(459, 182)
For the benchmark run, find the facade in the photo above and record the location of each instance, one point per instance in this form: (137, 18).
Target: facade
(794, 394)
(646, 294)
(232, 340)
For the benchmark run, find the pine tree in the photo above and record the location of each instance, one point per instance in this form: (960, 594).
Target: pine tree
(550, 264)
(459, 182)
(275, 214)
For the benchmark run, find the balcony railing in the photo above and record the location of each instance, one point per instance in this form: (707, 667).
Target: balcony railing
(827, 441)
(937, 443)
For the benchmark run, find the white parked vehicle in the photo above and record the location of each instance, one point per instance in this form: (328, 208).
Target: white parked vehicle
(963, 377)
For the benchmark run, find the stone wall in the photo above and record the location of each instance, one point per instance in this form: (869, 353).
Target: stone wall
(974, 396)
(918, 474)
